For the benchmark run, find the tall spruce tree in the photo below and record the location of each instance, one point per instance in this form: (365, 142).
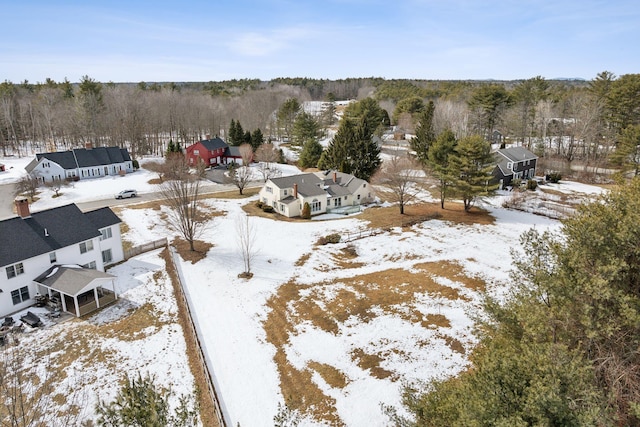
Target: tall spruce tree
(425, 134)
(352, 150)
(471, 169)
(257, 139)
(305, 127)
(439, 158)
(310, 154)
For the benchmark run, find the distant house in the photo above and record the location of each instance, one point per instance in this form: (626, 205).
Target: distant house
(514, 163)
(81, 163)
(326, 192)
(213, 152)
(61, 254)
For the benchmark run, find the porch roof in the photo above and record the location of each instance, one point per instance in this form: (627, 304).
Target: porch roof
(71, 279)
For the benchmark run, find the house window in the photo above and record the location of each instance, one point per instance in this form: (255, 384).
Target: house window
(337, 202)
(196, 152)
(106, 256)
(105, 233)
(316, 206)
(91, 265)
(286, 192)
(510, 165)
(20, 295)
(14, 270)
(86, 246)
(281, 207)
(52, 257)
(358, 197)
(269, 189)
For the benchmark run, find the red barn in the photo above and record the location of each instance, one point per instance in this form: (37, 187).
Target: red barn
(210, 151)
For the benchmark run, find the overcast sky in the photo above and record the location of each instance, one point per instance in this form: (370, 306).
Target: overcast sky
(199, 40)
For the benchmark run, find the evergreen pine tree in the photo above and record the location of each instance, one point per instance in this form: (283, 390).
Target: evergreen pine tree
(352, 150)
(257, 139)
(471, 167)
(232, 133)
(171, 148)
(438, 159)
(310, 155)
(425, 135)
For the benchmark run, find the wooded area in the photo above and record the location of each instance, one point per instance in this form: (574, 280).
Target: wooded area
(567, 120)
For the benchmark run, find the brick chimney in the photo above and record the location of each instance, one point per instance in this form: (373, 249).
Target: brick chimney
(295, 191)
(335, 176)
(22, 207)
(208, 136)
(88, 145)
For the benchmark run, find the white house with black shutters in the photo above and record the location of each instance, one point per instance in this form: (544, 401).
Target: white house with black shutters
(80, 163)
(61, 254)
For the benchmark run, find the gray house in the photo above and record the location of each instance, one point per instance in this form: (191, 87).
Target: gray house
(514, 163)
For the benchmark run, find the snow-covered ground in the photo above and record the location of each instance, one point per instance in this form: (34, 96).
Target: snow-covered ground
(234, 314)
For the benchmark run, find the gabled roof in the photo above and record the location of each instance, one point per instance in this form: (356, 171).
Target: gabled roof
(232, 151)
(49, 230)
(103, 217)
(517, 154)
(65, 159)
(83, 158)
(70, 279)
(212, 144)
(321, 183)
(309, 184)
(504, 156)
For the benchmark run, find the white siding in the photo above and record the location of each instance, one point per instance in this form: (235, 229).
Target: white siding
(47, 170)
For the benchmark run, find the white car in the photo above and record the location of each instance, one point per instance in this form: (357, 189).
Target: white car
(124, 194)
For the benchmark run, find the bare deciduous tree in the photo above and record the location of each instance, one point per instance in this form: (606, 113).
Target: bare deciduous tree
(268, 155)
(246, 242)
(181, 193)
(399, 175)
(239, 175)
(246, 154)
(56, 185)
(27, 395)
(28, 184)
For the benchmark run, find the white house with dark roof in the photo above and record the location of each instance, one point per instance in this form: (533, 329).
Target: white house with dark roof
(514, 163)
(326, 192)
(81, 163)
(34, 244)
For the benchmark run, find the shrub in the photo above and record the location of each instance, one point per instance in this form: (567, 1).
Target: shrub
(532, 184)
(553, 177)
(331, 238)
(267, 209)
(306, 211)
(135, 164)
(259, 204)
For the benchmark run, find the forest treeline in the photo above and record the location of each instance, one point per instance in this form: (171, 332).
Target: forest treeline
(569, 119)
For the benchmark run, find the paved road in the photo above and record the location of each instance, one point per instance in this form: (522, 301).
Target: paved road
(7, 194)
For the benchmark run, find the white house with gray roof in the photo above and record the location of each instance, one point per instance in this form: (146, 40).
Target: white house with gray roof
(39, 248)
(326, 192)
(80, 163)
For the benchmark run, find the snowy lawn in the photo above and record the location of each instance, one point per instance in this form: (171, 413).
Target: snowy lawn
(86, 359)
(334, 331)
